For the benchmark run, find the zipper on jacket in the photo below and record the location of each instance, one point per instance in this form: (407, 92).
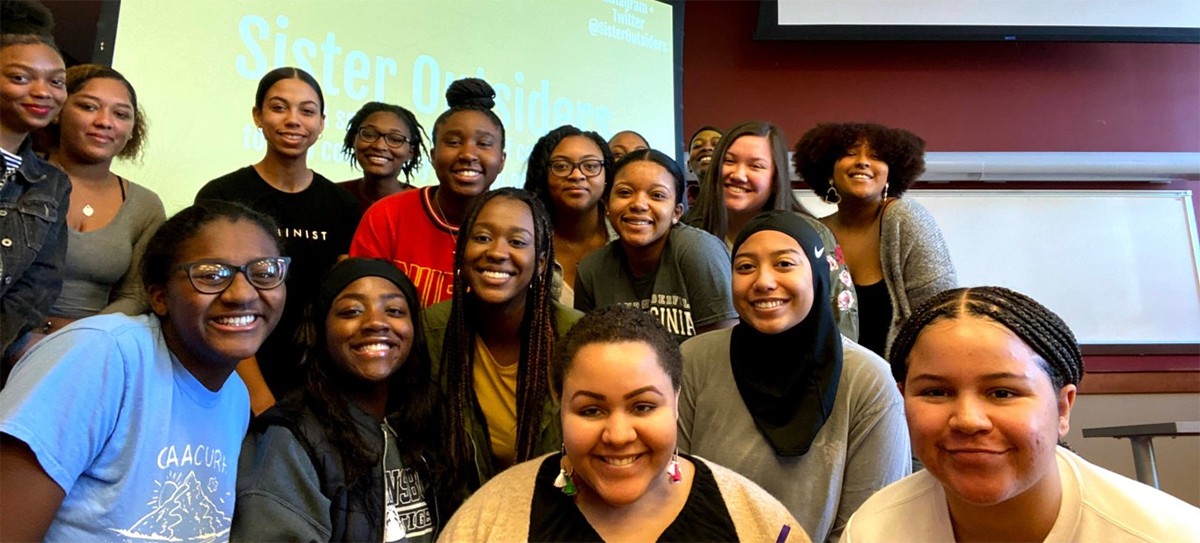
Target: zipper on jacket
(383, 427)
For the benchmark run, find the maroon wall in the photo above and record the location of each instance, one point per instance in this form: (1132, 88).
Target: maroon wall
(969, 96)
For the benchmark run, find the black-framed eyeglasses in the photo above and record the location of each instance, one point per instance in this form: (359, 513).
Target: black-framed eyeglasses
(589, 168)
(392, 139)
(214, 276)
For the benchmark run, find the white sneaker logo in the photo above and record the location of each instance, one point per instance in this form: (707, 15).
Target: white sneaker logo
(820, 251)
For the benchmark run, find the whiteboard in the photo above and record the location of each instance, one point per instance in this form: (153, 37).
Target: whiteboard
(1120, 267)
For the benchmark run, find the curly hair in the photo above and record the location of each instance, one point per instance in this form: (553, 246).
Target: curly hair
(1041, 329)
(470, 94)
(821, 147)
(79, 76)
(709, 213)
(416, 132)
(537, 172)
(537, 337)
(617, 324)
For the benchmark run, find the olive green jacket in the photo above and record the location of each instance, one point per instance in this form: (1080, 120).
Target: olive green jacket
(436, 318)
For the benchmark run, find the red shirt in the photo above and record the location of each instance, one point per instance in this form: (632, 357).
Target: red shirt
(405, 229)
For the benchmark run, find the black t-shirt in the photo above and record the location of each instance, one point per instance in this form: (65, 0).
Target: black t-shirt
(553, 516)
(874, 316)
(316, 225)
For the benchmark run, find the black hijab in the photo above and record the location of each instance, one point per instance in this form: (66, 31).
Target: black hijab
(789, 380)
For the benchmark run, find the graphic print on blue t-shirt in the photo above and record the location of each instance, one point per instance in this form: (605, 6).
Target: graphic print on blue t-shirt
(193, 476)
(185, 506)
(142, 449)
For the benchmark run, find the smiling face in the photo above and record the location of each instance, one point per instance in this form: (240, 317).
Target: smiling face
(576, 191)
(642, 205)
(700, 151)
(290, 117)
(500, 257)
(33, 86)
(619, 413)
(369, 329)
(468, 153)
(860, 174)
(97, 120)
(378, 159)
(207, 331)
(746, 173)
(772, 282)
(982, 413)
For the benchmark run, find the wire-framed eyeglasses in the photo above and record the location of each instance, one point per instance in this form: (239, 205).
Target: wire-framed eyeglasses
(214, 276)
(392, 139)
(589, 168)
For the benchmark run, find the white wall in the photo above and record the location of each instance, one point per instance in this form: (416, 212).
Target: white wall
(1178, 459)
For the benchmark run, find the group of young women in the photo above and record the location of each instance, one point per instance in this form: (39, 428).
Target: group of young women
(444, 379)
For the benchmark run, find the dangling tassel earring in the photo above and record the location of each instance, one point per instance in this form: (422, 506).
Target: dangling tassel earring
(673, 468)
(831, 195)
(885, 190)
(563, 482)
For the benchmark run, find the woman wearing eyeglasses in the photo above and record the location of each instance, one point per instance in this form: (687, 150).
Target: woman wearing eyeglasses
(316, 218)
(383, 140)
(568, 171)
(130, 427)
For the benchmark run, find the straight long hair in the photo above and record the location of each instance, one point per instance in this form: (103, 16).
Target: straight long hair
(710, 214)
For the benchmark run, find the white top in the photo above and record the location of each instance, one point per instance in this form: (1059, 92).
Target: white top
(1097, 505)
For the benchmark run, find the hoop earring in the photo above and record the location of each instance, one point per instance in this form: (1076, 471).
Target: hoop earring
(673, 468)
(832, 196)
(563, 482)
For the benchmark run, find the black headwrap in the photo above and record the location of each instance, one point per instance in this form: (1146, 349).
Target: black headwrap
(352, 269)
(789, 380)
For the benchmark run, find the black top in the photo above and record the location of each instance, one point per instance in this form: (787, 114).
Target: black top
(874, 316)
(553, 516)
(316, 225)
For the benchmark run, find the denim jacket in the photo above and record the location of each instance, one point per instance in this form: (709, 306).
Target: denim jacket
(33, 244)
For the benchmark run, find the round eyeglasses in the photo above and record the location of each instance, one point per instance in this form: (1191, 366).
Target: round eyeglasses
(214, 276)
(392, 139)
(589, 168)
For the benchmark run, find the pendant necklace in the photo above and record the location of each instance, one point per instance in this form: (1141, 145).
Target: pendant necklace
(88, 211)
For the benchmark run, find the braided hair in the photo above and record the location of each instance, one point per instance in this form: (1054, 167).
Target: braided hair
(1041, 329)
(537, 336)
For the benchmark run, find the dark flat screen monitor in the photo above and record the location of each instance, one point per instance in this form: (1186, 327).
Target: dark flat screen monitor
(1154, 21)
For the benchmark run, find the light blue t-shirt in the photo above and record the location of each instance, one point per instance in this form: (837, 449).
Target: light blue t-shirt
(141, 448)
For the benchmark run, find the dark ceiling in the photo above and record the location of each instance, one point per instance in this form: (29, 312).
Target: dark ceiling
(75, 27)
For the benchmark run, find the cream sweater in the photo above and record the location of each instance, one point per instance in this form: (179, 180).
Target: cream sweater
(500, 510)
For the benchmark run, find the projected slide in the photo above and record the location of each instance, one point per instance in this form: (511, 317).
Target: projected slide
(603, 65)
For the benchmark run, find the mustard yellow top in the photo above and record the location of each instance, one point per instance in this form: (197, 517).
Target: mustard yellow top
(496, 390)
